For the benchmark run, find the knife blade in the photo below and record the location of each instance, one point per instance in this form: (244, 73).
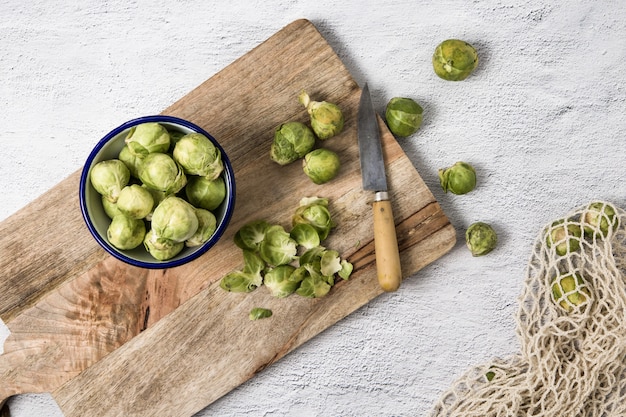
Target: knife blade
(374, 179)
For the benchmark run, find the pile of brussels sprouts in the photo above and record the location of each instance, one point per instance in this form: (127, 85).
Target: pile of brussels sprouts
(295, 140)
(570, 289)
(288, 262)
(161, 190)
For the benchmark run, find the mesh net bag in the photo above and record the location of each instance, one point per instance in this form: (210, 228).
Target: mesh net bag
(571, 323)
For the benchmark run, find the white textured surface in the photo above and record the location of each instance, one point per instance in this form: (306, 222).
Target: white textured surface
(542, 120)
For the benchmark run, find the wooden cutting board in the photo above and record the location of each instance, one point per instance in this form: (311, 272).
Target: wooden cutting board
(109, 339)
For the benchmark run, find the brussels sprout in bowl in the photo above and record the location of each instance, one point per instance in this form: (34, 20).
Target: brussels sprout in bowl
(101, 188)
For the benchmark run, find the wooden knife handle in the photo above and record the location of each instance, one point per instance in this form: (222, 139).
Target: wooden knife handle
(386, 247)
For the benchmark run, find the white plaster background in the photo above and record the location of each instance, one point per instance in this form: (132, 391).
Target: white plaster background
(542, 120)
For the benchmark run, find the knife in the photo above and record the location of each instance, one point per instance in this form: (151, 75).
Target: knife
(374, 179)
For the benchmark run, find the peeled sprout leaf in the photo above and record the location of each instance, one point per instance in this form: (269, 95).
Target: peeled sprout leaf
(277, 247)
(480, 238)
(314, 285)
(403, 116)
(292, 140)
(253, 264)
(454, 60)
(321, 165)
(326, 118)
(570, 291)
(346, 269)
(330, 262)
(260, 313)
(600, 218)
(198, 156)
(564, 237)
(160, 172)
(174, 219)
(109, 177)
(147, 138)
(250, 235)
(278, 283)
(126, 233)
(460, 178)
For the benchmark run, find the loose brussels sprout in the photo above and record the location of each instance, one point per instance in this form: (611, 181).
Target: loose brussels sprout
(174, 219)
(258, 313)
(277, 281)
(205, 193)
(326, 118)
(292, 140)
(565, 237)
(480, 238)
(454, 60)
(250, 235)
(460, 178)
(109, 177)
(135, 201)
(160, 172)
(314, 211)
(404, 116)
(305, 235)
(198, 156)
(207, 223)
(277, 247)
(147, 138)
(600, 218)
(161, 249)
(131, 161)
(110, 208)
(570, 291)
(126, 233)
(321, 165)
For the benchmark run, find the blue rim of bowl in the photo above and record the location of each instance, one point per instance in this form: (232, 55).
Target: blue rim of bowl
(229, 179)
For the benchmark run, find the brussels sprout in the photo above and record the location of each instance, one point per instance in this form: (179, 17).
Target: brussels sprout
(460, 178)
(160, 172)
(109, 177)
(326, 118)
(157, 196)
(292, 140)
(205, 193)
(110, 208)
(314, 211)
(174, 219)
(314, 285)
(277, 247)
(565, 237)
(135, 201)
(147, 138)
(277, 281)
(161, 249)
(312, 255)
(259, 313)
(250, 235)
(298, 274)
(175, 136)
(570, 291)
(599, 218)
(207, 223)
(126, 233)
(454, 60)
(131, 161)
(321, 165)
(305, 235)
(404, 116)
(198, 156)
(480, 238)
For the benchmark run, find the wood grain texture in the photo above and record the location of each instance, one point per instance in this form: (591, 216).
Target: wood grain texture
(123, 341)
